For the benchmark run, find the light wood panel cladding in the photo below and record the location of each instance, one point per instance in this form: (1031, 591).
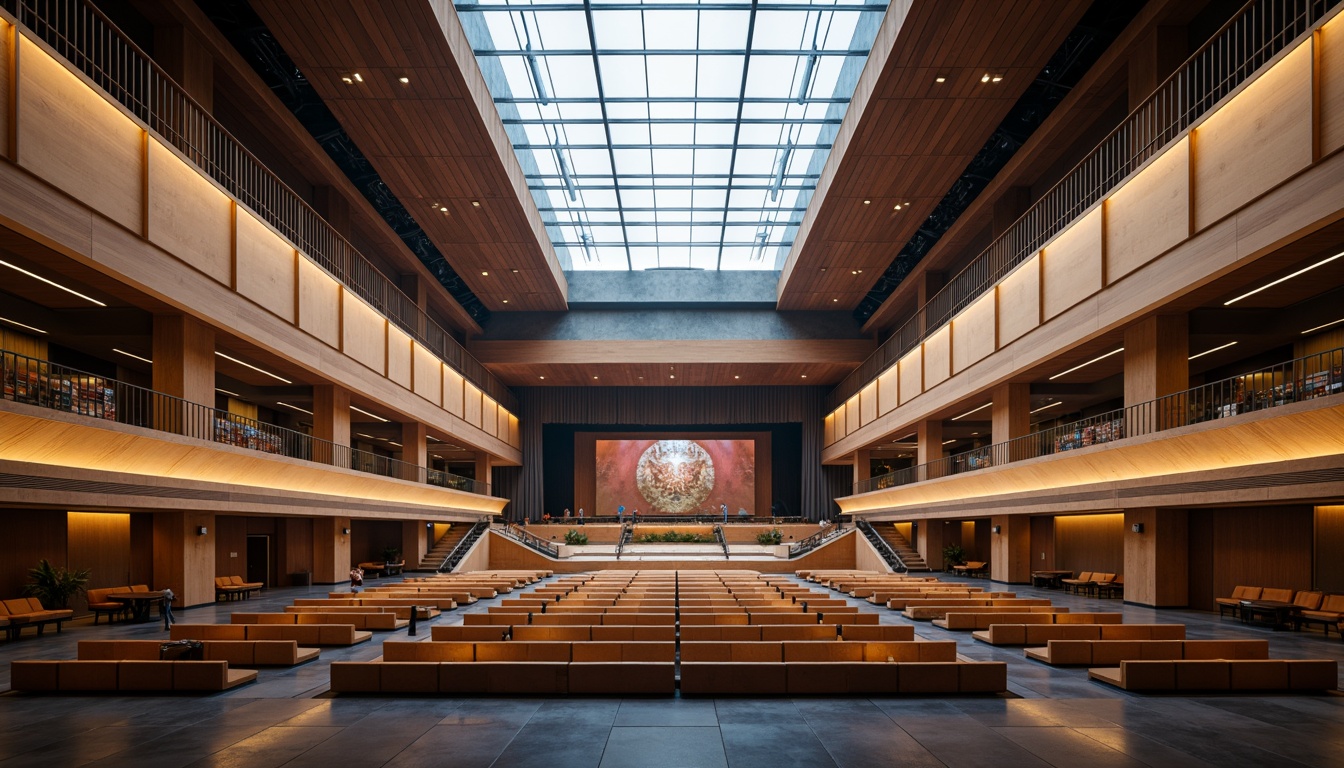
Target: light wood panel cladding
(319, 304)
(831, 418)
(398, 356)
(428, 375)
(6, 86)
(888, 391)
(1330, 42)
(841, 421)
(937, 357)
(184, 358)
(852, 416)
(453, 392)
(515, 435)
(489, 415)
(1090, 543)
(1156, 567)
(1157, 351)
(331, 550)
(1010, 559)
(911, 369)
(183, 559)
(541, 353)
(1329, 575)
(189, 216)
(101, 542)
(868, 403)
(472, 409)
(297, 545)
(230, 536)
(1019, 301)
(23, 344)
(1259, 546)
(363, 333)
(266, 267)
(502, 430)
(973, 332)
(30, 535)
(1256, 140)
(77, 141)
(1150, 214)
(1071, 265)
(1043, 542)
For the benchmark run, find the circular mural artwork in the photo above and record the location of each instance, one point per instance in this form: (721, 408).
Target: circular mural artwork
(675, 476)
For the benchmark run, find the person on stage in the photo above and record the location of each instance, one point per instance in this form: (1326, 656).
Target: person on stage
(620, 513)
(724, 509)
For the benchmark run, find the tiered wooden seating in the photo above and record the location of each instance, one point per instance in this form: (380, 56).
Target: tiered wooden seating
(1159, 676)
(106, 676)
(303, 634)
(1108, 653)
(28, 612)
(1040, 634)
(402, 612)
(962, 622)
(238, 653)
(938, 609)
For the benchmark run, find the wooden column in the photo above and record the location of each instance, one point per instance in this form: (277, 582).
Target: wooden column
(414, 542)
(929, 542)
(331, 421)
(331, 550)
(1011, 415)
(929, 437)
(1157, 564)
(863, 466)
(485, 465)
(414, 450)
(184, 558)
(184, 358)
(1157, 352)
(1010, 547)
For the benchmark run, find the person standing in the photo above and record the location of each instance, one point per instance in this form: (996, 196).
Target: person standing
(580, 515)
(620, 514)
(356, 579)
(568, 514)
(724, 509)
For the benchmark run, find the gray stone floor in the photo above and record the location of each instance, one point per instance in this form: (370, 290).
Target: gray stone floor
(1051, 717)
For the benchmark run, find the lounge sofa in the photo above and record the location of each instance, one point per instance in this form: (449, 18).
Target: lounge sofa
(28, 612)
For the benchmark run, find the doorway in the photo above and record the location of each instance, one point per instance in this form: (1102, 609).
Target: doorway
(258, 559)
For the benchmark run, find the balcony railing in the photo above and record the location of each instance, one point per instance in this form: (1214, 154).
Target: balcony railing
(1257, 33)
(1304, 378)
(46, 384)
(91, 43)
(520, 535)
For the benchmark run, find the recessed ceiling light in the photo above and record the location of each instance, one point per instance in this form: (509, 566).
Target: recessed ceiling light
(1304, 270)
(737, 377)
(393, 442)
(403, 80)
(1327, 325)
(940, 79)
(515, 271)
(984, 78)
(370, 415)
(867, 202)
(137, 357)
(484, 273)
(996, 79)
(358, 79)
(1215, 349)
(475, 203)
(1089, 362)
(22, 325)
(506, 301)
(227, 392)
(594, 377)
(973, 410)
(543, 378)
(1051, 405)
(361, 434)
(347, 80)
(974, 434)
(804, 375)
(253, 367)
(835, 300)
(295, 407)
(52, 283)
(672, 376)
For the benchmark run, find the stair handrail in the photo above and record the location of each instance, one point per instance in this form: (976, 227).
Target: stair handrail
(723, 540)
(530, 540)
(882, 546)
(817, 539)
(627, 533)
(459, 551)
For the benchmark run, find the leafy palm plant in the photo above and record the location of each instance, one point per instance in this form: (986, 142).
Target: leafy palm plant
(55, 586)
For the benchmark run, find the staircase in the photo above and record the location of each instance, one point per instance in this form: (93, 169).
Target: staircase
(444, 547)
(898, 543)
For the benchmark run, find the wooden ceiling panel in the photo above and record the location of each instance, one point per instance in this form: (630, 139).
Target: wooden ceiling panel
(911, 137)
(680, 375)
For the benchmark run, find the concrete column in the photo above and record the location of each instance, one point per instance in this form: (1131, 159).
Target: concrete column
(331, 550)
(331, 422)
(1157, 564)
(414, 450)
(929, 543)
(1010, 548)
(929, 437)
(184, 558)
(1157, 352)
(1011, 415)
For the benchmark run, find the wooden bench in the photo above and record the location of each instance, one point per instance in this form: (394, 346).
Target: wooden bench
(77, 675)
(1108, 653)
(505, 677)
(438, 603)
(303, 634)
(814, 650)
(1032, 634)
(234, 588)
(1330, 613)
(28, 612)
(423, 613)
(975, 621)
(1221, 675)
(823, 678)
(933, 612)
(360, 621)
(238, 653)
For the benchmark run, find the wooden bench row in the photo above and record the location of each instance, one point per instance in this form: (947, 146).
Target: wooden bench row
(1108, 653)
(77, 675)
(403, 612)
(1040, 634)
(303, 634)
(608, 633)
(360, 621)
(238, 653)
(784, 651)
(739, 618)
(958, 621)
(973, 601)
(830, 678)
(936, 611)
(438, 603)
(1221, 675)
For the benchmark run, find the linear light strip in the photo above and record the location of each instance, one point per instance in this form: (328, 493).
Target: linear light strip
(227, 392)
(977, 410)
(22, 325)
(372, 415)
(295, 407)
(52, 283)
(1211, 351)
(1327, 325)
(1284, 279)
(1051, 405)
(253, 367)
(131, 354)
(1084, 365)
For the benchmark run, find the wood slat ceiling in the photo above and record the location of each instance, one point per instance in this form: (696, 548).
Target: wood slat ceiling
(436, 141)
(907, 137)
(655, 374)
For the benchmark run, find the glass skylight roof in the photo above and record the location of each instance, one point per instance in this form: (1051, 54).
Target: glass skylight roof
(673, 134)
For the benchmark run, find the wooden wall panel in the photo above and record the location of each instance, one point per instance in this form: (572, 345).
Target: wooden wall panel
(6, 55)
(472, 400)
(1150, 214)
(1043, 543)
(363, 332)
(1260, 546)
(428, 375)
(515, 438)
(973, 333)
(398, 356)
(938, 357)
(502, 431)
(1157, 558)
(319, 303)
(230, 537)
(830, 428)
(1255, 141)
(100, 542)
(1019, 301)
(1090, 543)
(868, 403)
(30, 535)
(75, 140)
(911, 374)
(888, 390)
(489, 415)
(1331, 73)
(1071, 265)
(1329, 575)
(453, 388)
(189, 217)
(852, 422)
(266, 268)
(841, 421)
(297, 556)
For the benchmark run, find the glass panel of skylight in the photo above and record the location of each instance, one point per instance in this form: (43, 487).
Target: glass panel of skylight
(667, 88)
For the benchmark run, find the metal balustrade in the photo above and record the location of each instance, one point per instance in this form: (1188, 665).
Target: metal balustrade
(518, 534)
(799, 548)
(61, 388)
(1303, 378)
(80, 33)
(1257, 33)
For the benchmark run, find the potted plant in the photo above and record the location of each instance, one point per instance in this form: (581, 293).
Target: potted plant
(391, 554)
(772, 537)
(575, 539)
(953, 554)
(55, 586)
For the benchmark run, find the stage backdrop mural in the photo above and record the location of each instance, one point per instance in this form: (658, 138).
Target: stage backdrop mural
(676, 477)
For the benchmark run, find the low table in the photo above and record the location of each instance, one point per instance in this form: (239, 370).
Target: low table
(140, 603)
(1049, 579)
(1268, 613)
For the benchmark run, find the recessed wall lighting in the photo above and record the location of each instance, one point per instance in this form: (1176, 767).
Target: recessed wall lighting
(1084, 365)
(973, 410)
(52, 283)
(22, 325)
(295, 408)
(1327, 325)
(1283, 279)
(129, 354)
(1051, 405)
(370, 415)
(253, 367)
(1211, 351)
